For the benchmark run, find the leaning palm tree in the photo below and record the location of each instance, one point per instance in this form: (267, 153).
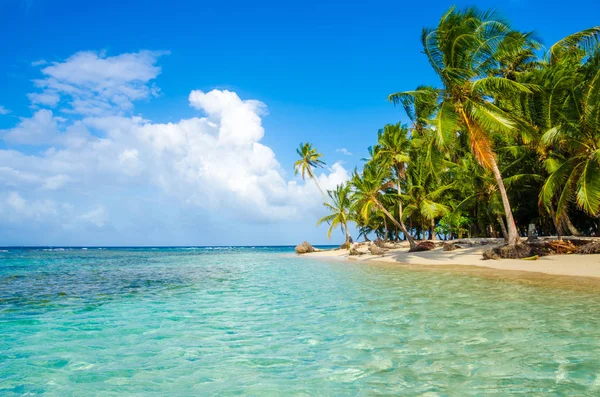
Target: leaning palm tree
(463, 50)
(309, 160)
(368, 194)
(341, 211)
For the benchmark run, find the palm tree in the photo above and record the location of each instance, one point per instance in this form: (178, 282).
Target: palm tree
(420, 105)
(309, 160)
(368, 194)
(393, 151)
(572, 112)
(340, 209)
(426, 194)
(463, 50)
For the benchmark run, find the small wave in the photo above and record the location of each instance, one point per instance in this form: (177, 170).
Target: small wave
(3, 250)
(53, 249)
(84, 248)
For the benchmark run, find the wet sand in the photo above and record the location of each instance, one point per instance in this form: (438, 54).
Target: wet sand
(570, 271)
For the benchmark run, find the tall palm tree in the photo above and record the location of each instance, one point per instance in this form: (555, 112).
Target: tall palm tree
(463, 50)
(308, 161)
(340, 208)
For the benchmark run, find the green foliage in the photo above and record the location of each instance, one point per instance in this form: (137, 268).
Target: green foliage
(340, 208)
(453, 224)
(308, 161)
(508, 139)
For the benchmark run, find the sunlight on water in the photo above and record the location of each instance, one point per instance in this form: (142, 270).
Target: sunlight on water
(261, 322)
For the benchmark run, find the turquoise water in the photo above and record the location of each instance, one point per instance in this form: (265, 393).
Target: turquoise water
(187, 322)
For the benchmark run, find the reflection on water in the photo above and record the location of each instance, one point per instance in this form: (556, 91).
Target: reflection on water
(254, 321)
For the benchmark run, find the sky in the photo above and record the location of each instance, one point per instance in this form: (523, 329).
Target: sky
(155, 123)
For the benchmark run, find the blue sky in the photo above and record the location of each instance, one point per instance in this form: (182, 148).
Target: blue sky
(322, 72)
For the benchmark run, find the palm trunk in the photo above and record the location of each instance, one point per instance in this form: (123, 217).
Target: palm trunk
(387, 231)
(502, 227)
(513, 235)
(401, 213)
(314, 178)
(411, 241)
(572, 229)
(432, 230)
(320, 190)
(347, 234)
(557, 222)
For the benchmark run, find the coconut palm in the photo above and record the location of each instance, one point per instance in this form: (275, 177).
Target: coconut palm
(463, 50)
(420, 105)
(340, 208)
(425, 196)
(368, 190)
(392, 150)
(308, 161)
(573, 137)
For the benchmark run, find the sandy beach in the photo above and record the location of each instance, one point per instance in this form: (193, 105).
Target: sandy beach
(466, 258)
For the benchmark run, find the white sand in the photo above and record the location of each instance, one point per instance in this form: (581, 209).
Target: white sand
(563, 265)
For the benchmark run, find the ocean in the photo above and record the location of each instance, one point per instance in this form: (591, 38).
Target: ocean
(260, 321)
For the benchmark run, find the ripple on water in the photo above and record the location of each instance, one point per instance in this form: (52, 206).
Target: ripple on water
(252, 321)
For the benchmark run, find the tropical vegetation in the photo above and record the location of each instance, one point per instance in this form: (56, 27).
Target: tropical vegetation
(509, 138)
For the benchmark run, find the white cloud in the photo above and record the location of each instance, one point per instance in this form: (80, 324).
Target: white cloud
(344, 151)
(46, 98)
(41, 62)
(240, 121)
(16, 208)
(215, 162)
(55, 182)
(212, 168)
(95, 84)
(96, 217)
(4, 110)
(41, 128)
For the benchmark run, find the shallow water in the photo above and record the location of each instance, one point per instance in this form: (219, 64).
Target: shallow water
(185, 322)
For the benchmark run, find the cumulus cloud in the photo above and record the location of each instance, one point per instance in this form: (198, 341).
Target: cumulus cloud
(109, 169)
(4, 110)
(344, 151)
(95, 84)
(40, 129)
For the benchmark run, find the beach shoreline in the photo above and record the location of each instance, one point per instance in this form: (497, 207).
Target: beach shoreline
(570, 269)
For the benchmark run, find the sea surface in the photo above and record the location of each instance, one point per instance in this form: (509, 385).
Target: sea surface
(259, 321)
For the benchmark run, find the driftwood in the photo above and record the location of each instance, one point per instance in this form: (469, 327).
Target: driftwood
(423, 246)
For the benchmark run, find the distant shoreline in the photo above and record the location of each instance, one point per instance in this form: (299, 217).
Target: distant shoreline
(291, 246)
